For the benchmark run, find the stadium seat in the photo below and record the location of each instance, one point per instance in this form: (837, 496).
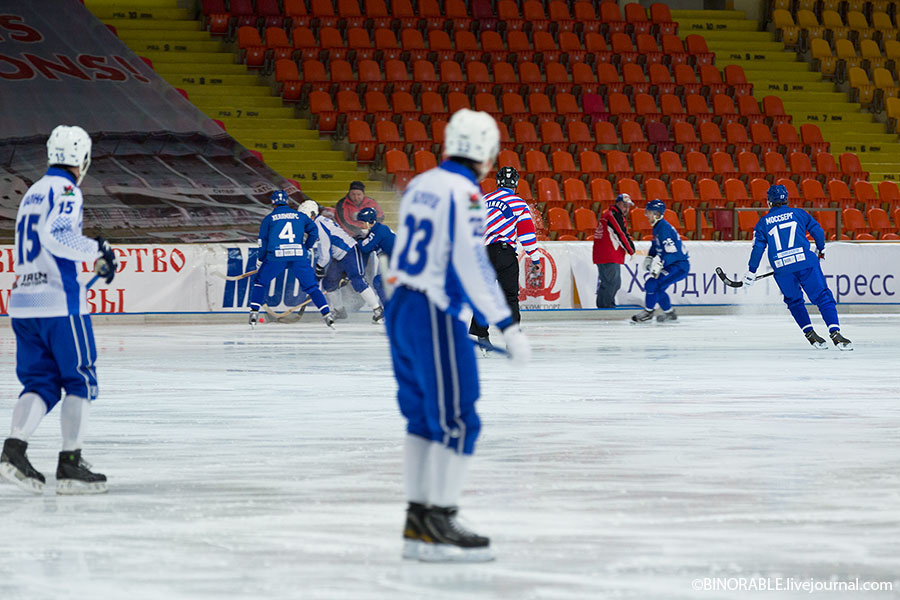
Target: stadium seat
(364, 145)
(850, 167)
(698, 166)
(864, 194)
(404, 106)
(627, 185)
(416, 137)
(288, 78)
(617, 164)
(696, 47)
(852, 222)
(736, 193)
(670, 166)
(536, 165)
(564, 164)
(826, 165)
(640, 225)
(304, 43)
(723, 166)
(424, 76)
(602, 191)
(839, 193)
(413, 45)
(585, 219)
(452, 79)
(591, 164)
(548, 192)
(711, 138)
(662, 20)
(558, 219)
(801, 166)
(575, 193)
(323, 111)
(397, 164)
(737, 80)
(879, 223)
(690, 224)
(682, 194)
(655, 189)
(252, 49)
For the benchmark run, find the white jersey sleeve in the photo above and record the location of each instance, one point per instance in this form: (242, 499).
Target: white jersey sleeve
(49, 248)
(440, 250)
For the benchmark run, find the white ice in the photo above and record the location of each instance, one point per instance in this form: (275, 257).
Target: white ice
(624, 462)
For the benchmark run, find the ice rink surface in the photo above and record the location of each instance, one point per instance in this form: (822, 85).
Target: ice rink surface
(624, 462)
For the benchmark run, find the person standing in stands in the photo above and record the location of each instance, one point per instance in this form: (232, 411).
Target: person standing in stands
(348, 207)
(611, 243)
(508, 221)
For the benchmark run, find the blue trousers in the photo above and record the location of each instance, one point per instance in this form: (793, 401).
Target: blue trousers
(351, 266)
(434, 363)
(655, 288)
(302, 270)
(812, 281)
(55, 354)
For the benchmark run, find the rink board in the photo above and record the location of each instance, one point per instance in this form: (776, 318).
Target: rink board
(193, 278)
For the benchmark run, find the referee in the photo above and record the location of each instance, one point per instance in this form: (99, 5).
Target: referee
(508, 221)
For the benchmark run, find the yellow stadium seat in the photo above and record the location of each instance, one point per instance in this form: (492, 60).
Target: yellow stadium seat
(823, 58)
(892, 108)
(885, 87)
(845, 51)
(832, 5)
(784, 23)
(892, 50)
(857, 22)
(806, 5)
(806, 19)
(869, 51)
(861, 89)
(882, 22)
(832, 22)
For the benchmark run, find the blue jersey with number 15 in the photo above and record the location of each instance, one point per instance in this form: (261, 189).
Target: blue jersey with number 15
(783, 231)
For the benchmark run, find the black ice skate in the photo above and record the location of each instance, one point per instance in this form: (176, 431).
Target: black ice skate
(378, 314)
(666, 316)
(642, 317)
(412, 531)
(329, 319)
(254, 318)
(445, 540)
(815, 340)
(73, 475)
(340, 313)
(16, 468)
(840, 341)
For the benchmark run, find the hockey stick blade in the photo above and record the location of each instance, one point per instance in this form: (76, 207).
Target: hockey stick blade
(233, 277)
(736, 284)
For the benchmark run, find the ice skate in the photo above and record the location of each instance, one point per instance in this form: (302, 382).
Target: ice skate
(254, 318)
(412, 531)
(815, 340)
(378, 314)
(340, 313)
(16, 468)
(666, 316)
(329, 319)
(73, 475)
(642, 317)
(840, 342)
(444, 539)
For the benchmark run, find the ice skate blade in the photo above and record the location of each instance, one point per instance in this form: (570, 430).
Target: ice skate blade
(11, 474)
(73, 487)
(844, 347)
(819, 345)
(442, 553)
(411, 549)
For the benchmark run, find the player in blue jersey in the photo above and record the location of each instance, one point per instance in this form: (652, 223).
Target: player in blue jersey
(55, 348)
(378, 241)
(783, 232)
(286, 238)
(667, 262)
(338, 256)
(442, 275)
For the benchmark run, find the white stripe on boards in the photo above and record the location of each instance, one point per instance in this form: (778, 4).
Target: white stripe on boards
(435, 348)
(454, 371)
(78, 355)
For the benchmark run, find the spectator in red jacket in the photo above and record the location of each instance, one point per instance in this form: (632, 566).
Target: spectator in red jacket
(349, 206)
(611, 242)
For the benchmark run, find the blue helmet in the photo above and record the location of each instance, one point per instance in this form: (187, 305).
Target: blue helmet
(279, 197)
(777, 195)
(367, 215)
(656, 206)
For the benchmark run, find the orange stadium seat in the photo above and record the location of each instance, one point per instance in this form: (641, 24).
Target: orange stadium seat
(682, 193)
(662, 20)
(591, 164)
(585, 219)
(424, 76)
(865, 194)
(575, 192)
(636, 17)
(288, 77)
(304, 43)
(632, 135)
(696, 47)
(253, 51)
(564, 164)
(533, 12)
(762, 139)
(711, 79)
(670, 166)
(674, 49)
(685, 137)
(605, 135)
(627, 185)
(405, 106)
(457, 101)
(686, 79)
(452, 79)
(342, 76)
(748, 108)
(711, 137)
(331, 43)
(826, 165)
(325, 115)
(813, 194)
(558, 219)
(879, 223)
(655, 189)
(723, 166)
(736, 137)
(649, 49)
(377, 12)
(801, 166)
(397, 164)
(774, 110)
(415, 136)
(364, 145)
(413, 45)
(748, 165)
(698, 166)
(736, 193)
(388, 136)
(672, 109)
(584, 13)
(660, 80)
(644, 165)
(850, 167)
(737, 80)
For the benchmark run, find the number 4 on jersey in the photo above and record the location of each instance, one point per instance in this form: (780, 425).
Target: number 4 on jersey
(287, 233)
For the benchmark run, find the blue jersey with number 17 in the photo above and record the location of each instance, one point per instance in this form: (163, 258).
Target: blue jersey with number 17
(783, 231)
(439, 249)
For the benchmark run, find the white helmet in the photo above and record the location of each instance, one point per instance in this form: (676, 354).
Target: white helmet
(70, 146)
(473, 135)
(309, 208)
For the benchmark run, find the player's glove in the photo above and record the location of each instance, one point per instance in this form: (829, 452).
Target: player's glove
(320, 271)
(821, 254)
(517, 344)
(534, 274)
(258, 264)
(647, 262)
(106, 265)
(749, 279)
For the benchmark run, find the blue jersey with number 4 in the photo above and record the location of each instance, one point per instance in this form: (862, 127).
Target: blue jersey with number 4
(285, 234)
(783, 231)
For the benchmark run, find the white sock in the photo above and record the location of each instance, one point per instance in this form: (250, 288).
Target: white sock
(447, 471)
(73, 421)
(334, 300)
(27, 415)
(370, 298)
(415, 460)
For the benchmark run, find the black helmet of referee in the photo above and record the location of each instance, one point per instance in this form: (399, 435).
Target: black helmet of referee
(508, 177)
